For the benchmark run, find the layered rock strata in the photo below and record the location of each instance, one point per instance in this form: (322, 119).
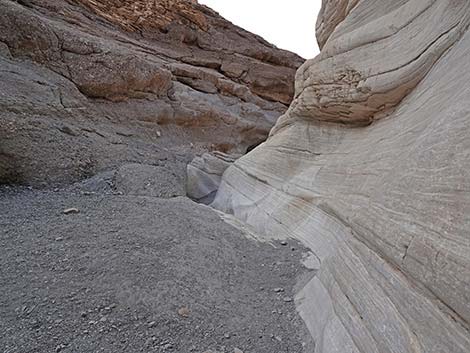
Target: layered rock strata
(370, 169)
(90, 85)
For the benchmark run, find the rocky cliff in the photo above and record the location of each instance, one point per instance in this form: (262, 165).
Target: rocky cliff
(370, 169)
(89, 85)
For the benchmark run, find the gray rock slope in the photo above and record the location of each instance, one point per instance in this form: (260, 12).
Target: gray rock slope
(370, 168)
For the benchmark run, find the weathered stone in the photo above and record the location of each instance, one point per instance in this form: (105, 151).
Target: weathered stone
(204, 175)
(71, 211)
(384, 207)
(169, 68)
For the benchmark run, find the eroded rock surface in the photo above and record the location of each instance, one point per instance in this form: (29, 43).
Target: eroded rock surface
(204, 175)
(89, 85)
(385, 206)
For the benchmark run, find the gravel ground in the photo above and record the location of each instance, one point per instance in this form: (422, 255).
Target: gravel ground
(140, 274)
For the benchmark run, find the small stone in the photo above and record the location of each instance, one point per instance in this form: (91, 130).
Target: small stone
(151, 324)
(68, 130)
(287, 299)
(59, 238)
(159, 134)
(284, 243)
(71, 210)
(168, 346)
(279, 290)
(227, 335)
(110, 307)
(60, 347)
(184, 312)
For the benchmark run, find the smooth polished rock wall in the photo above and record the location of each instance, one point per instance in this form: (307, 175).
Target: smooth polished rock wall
(384, 207)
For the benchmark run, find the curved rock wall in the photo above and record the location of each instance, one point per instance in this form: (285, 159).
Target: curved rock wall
(374, 58)
(370, 168)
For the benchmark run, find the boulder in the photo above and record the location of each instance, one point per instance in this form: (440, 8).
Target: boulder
(204, 175)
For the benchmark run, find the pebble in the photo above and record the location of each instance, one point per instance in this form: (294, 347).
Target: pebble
(168, 346)
(150, 341)
(279, 290)
(60, 347)
(59, 238)
(184, 311)
(284, 243)
(227, 335)
(151, 324)
(287, 299)
(71, 210)
(108, 308)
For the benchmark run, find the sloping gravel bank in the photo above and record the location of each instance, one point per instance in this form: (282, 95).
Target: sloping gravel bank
(140, 274)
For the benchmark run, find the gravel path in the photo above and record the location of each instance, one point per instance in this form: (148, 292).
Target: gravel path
(140, 274)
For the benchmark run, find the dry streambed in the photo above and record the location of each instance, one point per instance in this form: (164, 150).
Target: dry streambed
(126, 273)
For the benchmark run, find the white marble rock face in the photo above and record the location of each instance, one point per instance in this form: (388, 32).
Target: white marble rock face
(370, 168)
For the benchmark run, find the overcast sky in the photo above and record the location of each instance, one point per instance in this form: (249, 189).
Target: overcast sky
(288, 24)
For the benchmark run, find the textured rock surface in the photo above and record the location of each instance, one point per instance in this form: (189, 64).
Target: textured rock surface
(90, 85)
(204, 175)
(113, 278)
(370, 168)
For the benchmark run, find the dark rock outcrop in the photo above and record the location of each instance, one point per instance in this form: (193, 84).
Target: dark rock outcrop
(90, 85)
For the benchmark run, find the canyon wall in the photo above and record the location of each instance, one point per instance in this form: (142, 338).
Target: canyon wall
(89, 85)
(370, 168)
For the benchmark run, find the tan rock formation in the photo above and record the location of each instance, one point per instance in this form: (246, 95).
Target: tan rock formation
(370, 168)
(90, 85)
